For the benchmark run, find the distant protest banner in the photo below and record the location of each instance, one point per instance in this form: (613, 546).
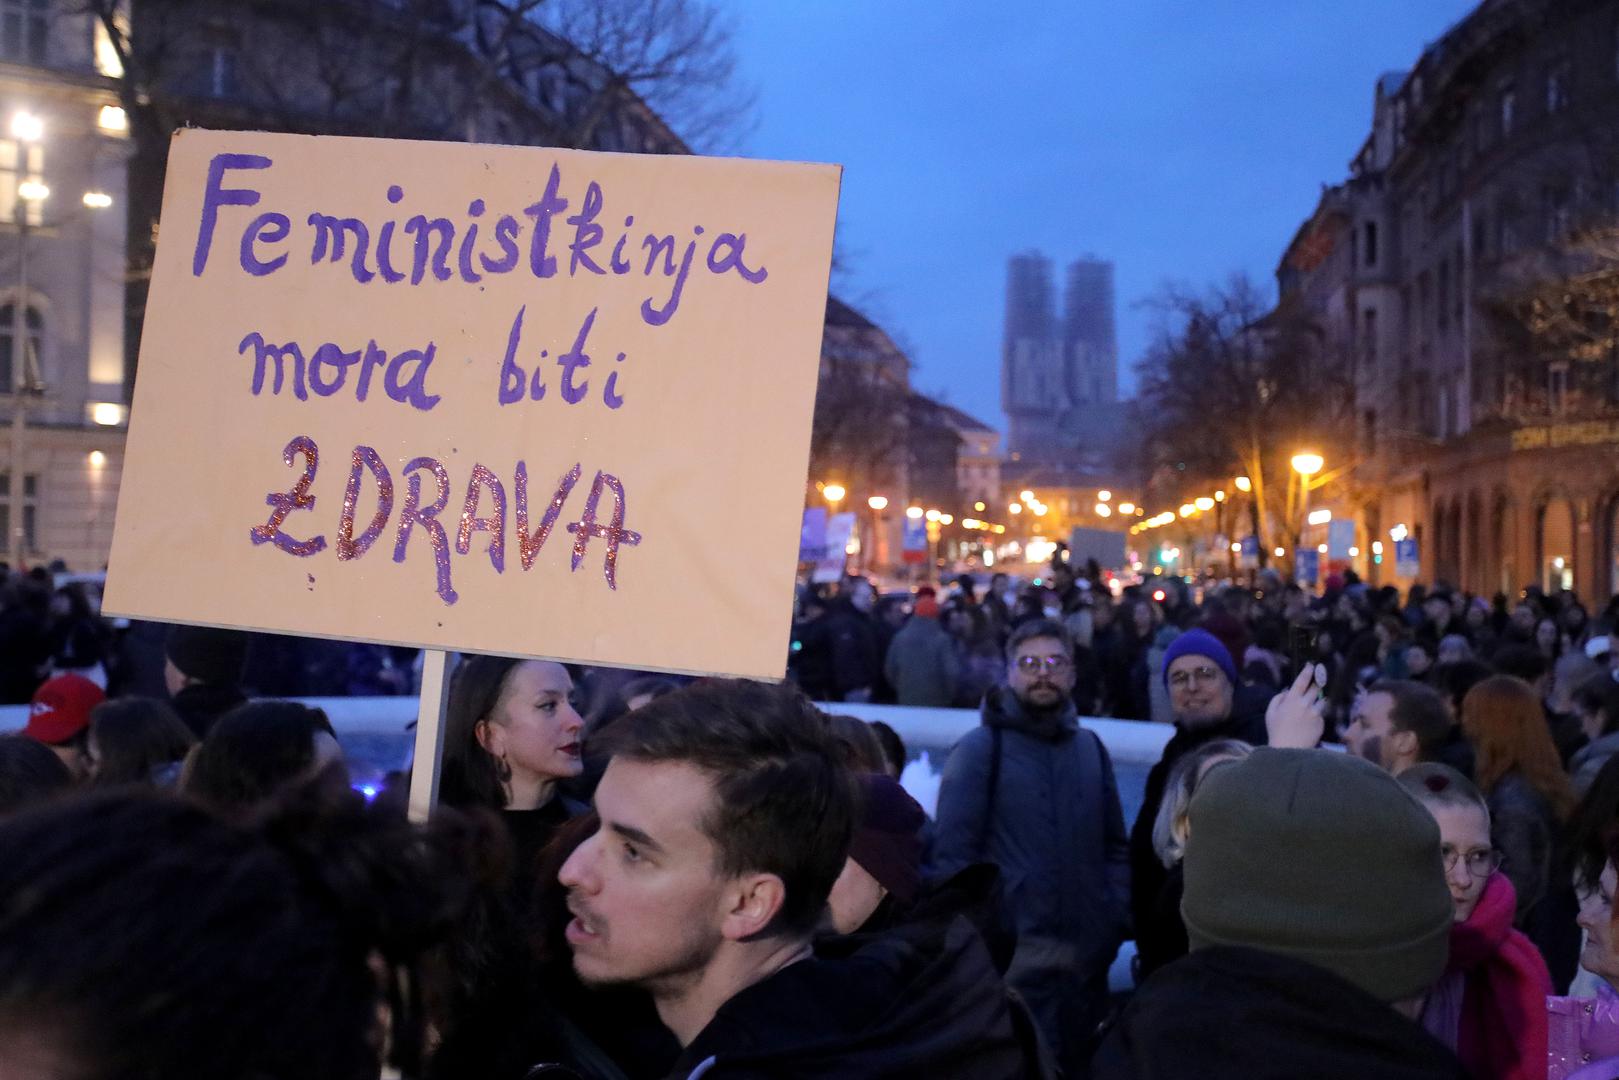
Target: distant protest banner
(484, 398)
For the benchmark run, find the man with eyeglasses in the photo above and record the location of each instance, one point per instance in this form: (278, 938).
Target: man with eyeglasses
(1209, 703)
(1034, 793)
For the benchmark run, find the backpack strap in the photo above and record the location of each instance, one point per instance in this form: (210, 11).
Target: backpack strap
(994, 787)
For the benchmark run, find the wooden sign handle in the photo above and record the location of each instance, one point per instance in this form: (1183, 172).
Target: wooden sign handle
(429, 754)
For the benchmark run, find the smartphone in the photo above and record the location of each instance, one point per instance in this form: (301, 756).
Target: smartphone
(1301, 642)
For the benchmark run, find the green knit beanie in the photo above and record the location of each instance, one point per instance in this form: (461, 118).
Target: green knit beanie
(1323, 857)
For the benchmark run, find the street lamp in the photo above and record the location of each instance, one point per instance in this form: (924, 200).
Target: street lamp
(1204, 504)
(1015, 508)
(913, 512)
(834, 494)
(878, 502)
(1306, 464)
(1127, 508)
(25, 128)
(1104, 496)
(1242, 483)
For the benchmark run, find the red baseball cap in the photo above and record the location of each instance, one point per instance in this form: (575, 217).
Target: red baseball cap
(61, 708)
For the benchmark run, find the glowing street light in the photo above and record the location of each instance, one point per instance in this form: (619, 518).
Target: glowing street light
(27, 127)
(1205, 503)
(1319, 517)
(1015, 508)
(1026, 495)
(1219, 496)
(1127, 508)
(1236, 547)
(945, 519)
(878, 502)
(979, 507)
(834, 493)
(1103, 510)
(1280, 552)
(1242, 483)
(1398, 533)
(933, 515)
(1307, 464)
(1187, 510)
(1104, 496)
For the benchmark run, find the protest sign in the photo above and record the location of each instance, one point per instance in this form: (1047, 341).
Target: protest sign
(812, 534)
(914, 540)
(1407, 559)
(1308, 569)
(488, 398)
(1340, 538)
(834, 554)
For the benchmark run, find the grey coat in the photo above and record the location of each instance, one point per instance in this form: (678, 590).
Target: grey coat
(1056, 830)
(921, 664)
(1589, 761)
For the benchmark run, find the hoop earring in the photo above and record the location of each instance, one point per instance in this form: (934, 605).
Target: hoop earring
(503, 770)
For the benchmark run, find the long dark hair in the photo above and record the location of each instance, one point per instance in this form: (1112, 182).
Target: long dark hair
(136, 736)
(470, 776)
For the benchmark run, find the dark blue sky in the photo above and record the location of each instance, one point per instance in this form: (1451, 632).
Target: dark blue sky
(1182, 139)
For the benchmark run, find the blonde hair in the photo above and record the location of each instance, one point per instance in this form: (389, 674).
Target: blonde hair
(1169, 828)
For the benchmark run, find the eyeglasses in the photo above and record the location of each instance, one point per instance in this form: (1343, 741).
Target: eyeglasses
(1203, 676)
(1033, 664)
(1480, 863)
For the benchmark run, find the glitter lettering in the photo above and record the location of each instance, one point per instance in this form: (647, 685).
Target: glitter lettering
(615, 534)
(347, 546)
(414, 514)
(528, 546)
(495, 525)
(297, 499)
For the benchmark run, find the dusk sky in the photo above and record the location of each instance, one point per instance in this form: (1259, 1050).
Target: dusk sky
(1182, 139)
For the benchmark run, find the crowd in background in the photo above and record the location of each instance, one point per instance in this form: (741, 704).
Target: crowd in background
(1380, 841)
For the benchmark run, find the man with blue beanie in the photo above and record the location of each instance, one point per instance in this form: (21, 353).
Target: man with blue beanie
(1209, 703)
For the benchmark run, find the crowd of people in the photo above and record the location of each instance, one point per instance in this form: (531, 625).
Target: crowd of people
(1381, 841)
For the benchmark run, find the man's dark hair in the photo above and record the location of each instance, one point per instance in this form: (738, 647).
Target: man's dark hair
(29, 773)
(1456, 678)
(1600, 693)
(255, 752)
(1520, 661)
(1420, 710)
(1039, 628)
(784, 802)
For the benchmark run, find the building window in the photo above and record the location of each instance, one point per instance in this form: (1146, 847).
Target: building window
(31, 368)
(19, 163)
(24, 27)
(1557, 387)
(30, 511)
(1443, 314)
(1509, 110)
(1369, 247)
(1557, 213)
(1557, 87)
(1368, 337)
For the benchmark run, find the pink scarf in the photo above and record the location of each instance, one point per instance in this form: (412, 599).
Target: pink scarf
(1502, 1033)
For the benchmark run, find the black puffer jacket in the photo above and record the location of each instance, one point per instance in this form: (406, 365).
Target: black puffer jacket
(919, 1001)
(1242, 1014)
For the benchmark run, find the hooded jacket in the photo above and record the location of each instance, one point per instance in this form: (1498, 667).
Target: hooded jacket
(919, 1001)
(1228, 1013)
(1049, 818)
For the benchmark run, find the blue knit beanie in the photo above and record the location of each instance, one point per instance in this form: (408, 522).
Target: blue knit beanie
(1197, 642)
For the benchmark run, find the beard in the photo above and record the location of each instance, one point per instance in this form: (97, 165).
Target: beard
(664, 974)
